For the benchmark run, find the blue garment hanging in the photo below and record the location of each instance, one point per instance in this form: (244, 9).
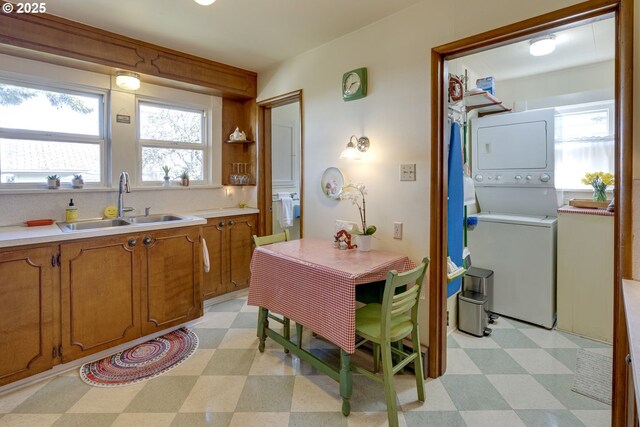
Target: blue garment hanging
(455, 205)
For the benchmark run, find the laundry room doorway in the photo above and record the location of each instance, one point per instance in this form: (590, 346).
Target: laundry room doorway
(443, 57)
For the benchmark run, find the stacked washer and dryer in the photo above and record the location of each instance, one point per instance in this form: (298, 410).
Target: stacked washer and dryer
(513, 171)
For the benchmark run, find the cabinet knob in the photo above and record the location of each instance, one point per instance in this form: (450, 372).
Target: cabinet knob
(231, 222)
(132, 242)
(628, 359)
(147, 240)
(221, 224)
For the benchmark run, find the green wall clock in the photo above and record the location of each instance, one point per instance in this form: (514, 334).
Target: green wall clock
(354, 84)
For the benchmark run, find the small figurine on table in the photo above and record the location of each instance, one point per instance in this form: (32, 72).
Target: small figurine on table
(342, 240)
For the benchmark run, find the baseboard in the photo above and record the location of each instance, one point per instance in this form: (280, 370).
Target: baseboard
(76, 364)
(225, 297)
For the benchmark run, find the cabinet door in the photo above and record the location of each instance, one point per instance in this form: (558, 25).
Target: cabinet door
(100, 294)
(215, 282)
(172, 273)
(241, 229)
(26, 311)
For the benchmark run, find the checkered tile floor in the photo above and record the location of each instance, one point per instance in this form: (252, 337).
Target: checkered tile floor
(521, 376)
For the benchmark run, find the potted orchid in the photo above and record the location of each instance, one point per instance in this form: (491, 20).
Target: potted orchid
(356, 193)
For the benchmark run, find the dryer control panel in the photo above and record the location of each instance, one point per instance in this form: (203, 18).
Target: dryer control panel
(515, 179)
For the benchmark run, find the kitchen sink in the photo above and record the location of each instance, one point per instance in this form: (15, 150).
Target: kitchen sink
(153, 218)
(91, 224)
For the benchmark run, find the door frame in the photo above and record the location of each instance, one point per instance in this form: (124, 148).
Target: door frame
(623, 10)
(265, 224)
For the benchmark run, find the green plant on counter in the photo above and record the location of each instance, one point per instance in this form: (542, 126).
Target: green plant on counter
(184, 174)
(166, 170)
(77, 176)
(53, 177)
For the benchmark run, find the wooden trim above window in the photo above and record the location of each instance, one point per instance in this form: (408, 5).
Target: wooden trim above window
(57, 38)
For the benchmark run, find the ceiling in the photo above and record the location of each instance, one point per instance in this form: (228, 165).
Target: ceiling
(585, 44)
(250, 34)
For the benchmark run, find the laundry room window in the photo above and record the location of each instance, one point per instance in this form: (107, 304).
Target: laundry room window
(172, 136)
(46, 130)
(584, 142)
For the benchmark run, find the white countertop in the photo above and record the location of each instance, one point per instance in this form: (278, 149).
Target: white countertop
(18, 235)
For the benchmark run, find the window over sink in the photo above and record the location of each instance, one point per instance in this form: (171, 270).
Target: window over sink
(172, 136)
(46, 130)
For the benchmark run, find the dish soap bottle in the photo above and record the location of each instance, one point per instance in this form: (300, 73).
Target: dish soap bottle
(72, 212)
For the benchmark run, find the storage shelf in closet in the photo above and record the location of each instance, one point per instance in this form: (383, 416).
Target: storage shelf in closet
(484, 102)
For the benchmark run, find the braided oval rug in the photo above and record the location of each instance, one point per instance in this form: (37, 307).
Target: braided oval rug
(142, 362)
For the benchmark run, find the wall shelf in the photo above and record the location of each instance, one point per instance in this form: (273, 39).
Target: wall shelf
(484, 103)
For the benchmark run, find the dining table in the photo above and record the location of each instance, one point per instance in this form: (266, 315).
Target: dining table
(312, 283)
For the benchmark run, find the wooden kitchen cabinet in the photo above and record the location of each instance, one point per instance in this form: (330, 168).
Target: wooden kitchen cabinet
(230, 247)
(28, 284)
(172, 272)
(100, 294)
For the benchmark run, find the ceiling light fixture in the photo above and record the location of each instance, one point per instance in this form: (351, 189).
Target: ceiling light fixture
(354, 149)
(205, 2)
(128, 81)
(542, 45)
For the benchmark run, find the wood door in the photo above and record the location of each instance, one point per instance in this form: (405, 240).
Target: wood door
(215, 282)
(172, 271)
(27, 280)
(240, 229)
(100, 294)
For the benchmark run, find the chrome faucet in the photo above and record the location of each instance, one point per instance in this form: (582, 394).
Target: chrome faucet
(123, 187)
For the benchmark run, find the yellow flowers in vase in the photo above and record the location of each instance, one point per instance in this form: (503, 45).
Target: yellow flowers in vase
(599, 181)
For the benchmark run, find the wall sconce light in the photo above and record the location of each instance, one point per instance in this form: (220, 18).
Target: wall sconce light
(541, 46)
(127, 80)
(355, 147)
(205, 2)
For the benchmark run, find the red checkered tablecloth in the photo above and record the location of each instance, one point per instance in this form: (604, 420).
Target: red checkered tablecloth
(313, 283)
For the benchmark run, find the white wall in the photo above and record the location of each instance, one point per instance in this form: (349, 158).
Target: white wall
(394, 115)
(18, 206)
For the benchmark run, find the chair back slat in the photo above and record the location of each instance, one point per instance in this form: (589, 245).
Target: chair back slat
(405, 302)
(393, 304)
(272, 238)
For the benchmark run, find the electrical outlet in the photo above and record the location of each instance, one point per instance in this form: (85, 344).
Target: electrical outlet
(408, 172)
(397, 230)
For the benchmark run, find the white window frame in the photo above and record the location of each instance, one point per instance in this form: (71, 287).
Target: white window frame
(205, 147)
(608, 105)
(101, 139)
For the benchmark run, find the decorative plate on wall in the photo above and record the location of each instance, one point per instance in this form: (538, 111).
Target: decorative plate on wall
(332, 183)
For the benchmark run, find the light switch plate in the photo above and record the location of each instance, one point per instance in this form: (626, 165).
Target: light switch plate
(408, 172)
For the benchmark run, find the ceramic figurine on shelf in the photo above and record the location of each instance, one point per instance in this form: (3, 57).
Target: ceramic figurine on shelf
(237, 135)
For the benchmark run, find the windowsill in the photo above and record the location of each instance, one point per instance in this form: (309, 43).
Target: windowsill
(103, 189)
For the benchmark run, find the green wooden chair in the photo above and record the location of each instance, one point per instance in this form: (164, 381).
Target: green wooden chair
(267, 240)
(389, 323)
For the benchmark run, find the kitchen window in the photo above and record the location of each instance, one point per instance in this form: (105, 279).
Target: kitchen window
(46, 130)
(172, 136)
(584, 142)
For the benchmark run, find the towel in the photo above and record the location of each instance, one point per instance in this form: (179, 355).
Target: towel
(285, 214)
(205, 256)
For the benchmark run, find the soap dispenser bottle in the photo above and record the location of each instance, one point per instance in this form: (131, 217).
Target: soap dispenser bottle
(72, 212)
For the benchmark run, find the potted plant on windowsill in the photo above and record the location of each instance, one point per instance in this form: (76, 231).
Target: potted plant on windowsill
(166, 170)
(77, 181)
(53, 181)
(184, 178)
